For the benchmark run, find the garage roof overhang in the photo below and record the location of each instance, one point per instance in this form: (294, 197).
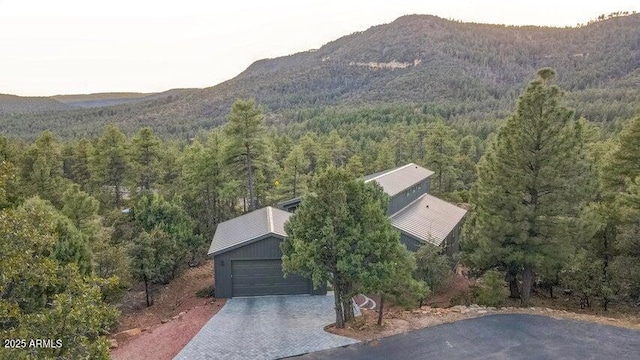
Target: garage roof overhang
(249, 228)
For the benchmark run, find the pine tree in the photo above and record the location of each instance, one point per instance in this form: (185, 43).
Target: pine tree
(341, 234)
(145, 151)
(295, 166)
(81, 164)
(336, 148)
(43, 168)
(245, 131)
(111, 162)
(80, 208)
(385, 159)
(355, 166)
(530, 184)
(207, 184)
(620, 187)
(440, 153)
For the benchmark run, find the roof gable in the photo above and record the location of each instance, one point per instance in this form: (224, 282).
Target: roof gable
(395, 181)
(248, 228)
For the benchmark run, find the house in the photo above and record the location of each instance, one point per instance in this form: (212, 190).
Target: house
(246, 250)
(247, 257)
(420, 217)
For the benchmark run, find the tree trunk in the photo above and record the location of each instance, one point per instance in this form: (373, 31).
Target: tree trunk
(295, 183)
(381, 311)
(347, 309)
(252, 200)
(527, 283)
(514, 293)
(117, 189)
(146, 290)
(338, 307)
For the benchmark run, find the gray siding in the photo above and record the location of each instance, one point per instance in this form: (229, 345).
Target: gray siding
(407, 196)
(451, 243)
(268, 248)
(411, 243)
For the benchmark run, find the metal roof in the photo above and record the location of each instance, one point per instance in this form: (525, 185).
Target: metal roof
(428, 219)
(248, 228)
(289, 202)
(396, 180)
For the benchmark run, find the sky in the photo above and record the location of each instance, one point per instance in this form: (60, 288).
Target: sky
(50, 47)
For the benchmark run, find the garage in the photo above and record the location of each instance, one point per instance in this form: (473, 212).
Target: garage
(247, 257)
(264, 277)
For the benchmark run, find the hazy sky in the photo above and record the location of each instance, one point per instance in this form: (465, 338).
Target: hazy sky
(80, 46)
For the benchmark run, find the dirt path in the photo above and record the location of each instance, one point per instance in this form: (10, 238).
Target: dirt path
(175, 317)
(164, 341)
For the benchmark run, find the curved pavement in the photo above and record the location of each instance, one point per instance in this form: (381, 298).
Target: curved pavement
(502, 336)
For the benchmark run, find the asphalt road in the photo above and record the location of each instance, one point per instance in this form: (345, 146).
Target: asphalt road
(503, 336)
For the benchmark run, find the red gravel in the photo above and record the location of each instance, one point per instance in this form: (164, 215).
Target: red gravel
(164, 341)
(160, 341)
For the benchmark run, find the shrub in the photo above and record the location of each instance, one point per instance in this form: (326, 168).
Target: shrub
(209, 291)
(490, 289)
(433, 267)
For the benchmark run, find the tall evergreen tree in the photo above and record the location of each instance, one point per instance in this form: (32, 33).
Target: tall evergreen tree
(440, 153)
(530, 183)
(355, 166)
(43, 168)
(620, 186)
(385, 158)
(111, 162)
(245, 131)
(81, 164)
(341, 234)
(145, 151)
(207, 184)
(295, 166)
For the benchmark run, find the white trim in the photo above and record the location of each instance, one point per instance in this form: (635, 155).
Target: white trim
(270, 219)
(389, 172)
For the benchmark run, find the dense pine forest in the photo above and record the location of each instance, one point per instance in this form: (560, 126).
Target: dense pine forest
(549, 165)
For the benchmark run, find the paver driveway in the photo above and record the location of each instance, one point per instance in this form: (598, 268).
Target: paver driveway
(266, 327)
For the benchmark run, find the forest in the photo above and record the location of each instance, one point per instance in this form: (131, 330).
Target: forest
(555, 201)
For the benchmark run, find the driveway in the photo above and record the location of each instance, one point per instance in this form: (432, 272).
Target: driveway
(505, 336)
(266, 327)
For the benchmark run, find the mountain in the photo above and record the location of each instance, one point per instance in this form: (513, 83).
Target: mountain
(442, 67)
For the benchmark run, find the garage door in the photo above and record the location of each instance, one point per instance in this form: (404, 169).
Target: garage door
(264, 277)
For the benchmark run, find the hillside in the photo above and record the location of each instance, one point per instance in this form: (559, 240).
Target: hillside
(11, 104)
(100, 99)
(446, 68)
(110, 99)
